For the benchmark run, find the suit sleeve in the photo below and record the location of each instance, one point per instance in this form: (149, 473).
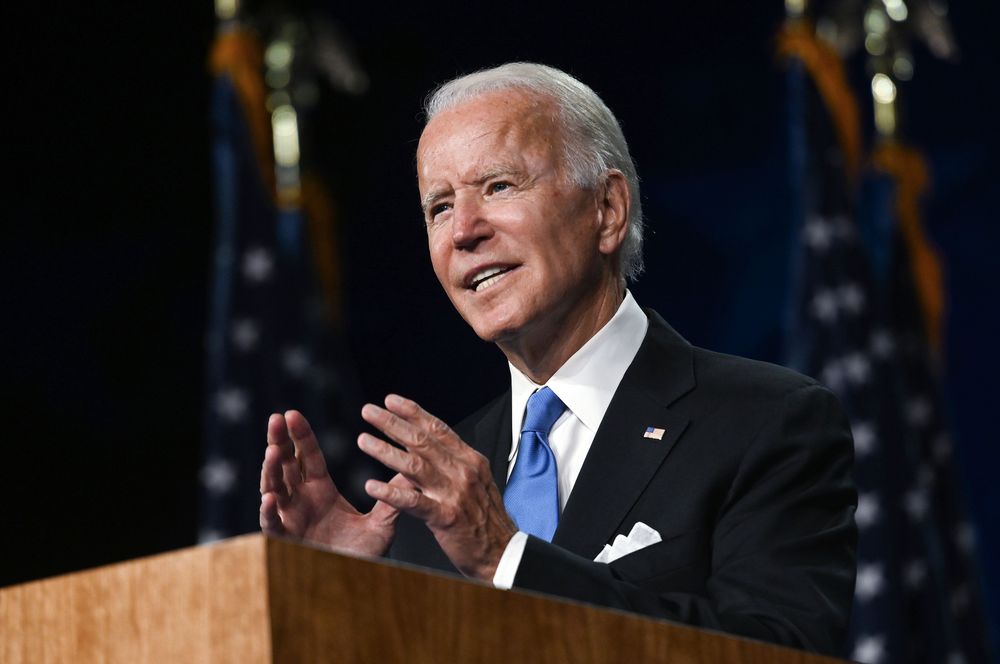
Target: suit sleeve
(782, 545)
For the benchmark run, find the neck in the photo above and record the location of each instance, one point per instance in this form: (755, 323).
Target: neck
(540, 352)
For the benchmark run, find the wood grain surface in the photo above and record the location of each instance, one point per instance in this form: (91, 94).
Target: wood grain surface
(328, 608)
(207, 604)
(259, 600)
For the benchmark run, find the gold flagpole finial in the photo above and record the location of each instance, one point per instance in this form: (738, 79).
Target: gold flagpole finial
(795, 8)
(227, 10)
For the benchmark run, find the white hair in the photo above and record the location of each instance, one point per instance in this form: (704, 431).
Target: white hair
(593, 139)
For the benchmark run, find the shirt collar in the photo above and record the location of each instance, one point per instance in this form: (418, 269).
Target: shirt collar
(587, 381)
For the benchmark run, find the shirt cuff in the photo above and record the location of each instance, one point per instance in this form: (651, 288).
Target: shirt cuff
(510, 561)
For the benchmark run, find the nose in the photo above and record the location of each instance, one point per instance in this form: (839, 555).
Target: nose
(469, 223)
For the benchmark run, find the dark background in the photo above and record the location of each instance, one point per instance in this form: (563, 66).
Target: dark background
(106, 250)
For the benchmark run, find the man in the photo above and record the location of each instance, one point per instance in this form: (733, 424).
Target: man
(729, 477)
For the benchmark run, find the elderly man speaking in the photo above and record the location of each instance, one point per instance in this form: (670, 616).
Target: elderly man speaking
(624, 467)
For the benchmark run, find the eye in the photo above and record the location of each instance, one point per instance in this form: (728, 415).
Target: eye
(497, 187)
(439, 208)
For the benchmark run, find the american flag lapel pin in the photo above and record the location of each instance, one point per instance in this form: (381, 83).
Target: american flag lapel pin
(654, 432)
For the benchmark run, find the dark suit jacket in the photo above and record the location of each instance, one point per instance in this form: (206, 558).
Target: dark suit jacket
(749, 488)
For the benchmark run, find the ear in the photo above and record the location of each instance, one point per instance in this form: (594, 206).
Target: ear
(613, 203)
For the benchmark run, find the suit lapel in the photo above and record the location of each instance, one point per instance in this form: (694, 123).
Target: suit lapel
(492, 437)
(621, 461)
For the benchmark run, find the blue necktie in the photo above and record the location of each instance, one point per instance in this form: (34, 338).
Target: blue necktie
(532, 494)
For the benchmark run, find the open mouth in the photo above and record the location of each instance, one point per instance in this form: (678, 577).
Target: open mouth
(489, 276)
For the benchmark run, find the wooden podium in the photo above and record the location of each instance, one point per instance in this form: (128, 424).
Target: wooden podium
(256, 599)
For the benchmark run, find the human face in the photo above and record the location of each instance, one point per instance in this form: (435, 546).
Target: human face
(516, 246)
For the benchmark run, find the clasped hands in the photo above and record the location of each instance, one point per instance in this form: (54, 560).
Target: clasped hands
(439, 480)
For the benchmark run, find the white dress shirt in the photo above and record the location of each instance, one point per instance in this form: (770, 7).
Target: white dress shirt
(586, 383)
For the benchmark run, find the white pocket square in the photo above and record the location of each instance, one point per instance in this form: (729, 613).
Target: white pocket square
(639, 537)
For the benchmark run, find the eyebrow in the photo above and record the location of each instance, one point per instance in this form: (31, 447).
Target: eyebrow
(499, 170)
(432, 197)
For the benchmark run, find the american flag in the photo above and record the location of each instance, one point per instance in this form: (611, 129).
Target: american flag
(860, 333)
(271, 341)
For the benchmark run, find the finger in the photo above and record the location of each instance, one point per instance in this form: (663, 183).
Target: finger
(406, 499)
(394, 426)
(306, 446)
(280, 471)
(272, 473)
(383, 511)
(277, 434)
(411, 412)
(409, 465)
(270, 521)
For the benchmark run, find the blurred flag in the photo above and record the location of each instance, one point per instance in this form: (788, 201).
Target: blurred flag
(833, 332)
(273, 338)
(853, 334)
(942, 590)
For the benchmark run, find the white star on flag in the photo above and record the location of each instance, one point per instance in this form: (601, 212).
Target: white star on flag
(232, 403)
(209, 535)
(955, 658)
(882, 344)
(833, 375)
(851, 297)
(257, 264)
(654, 433)
(864, 438)
(869, 650)
(245, 334)
(818, 234)
(868, 509)
(857, 368)
(824, 306)
(218, 475)
(870, 581)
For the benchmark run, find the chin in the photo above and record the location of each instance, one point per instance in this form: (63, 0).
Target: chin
(496, 316)
(492, 333)
(492, 328)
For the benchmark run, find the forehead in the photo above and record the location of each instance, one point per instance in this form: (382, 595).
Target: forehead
(492, 127)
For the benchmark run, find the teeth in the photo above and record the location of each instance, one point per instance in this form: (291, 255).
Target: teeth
(489, 282)
(487, 278)
(487, 273)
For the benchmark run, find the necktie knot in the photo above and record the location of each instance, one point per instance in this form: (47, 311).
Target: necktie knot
(544, 408)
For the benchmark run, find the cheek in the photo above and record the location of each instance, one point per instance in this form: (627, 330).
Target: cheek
(439, 256)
